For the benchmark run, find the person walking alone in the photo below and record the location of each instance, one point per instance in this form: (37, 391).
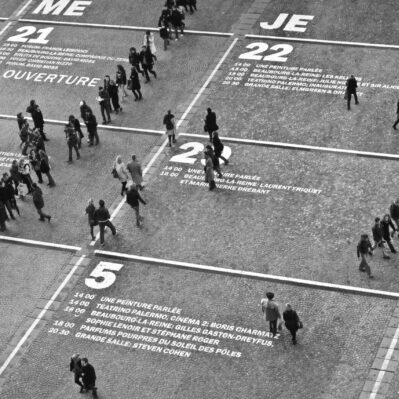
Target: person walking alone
(121, 80)
(147, 62)
(397, 116)
(71, 137)
(45, 168)
(351, 87)
(271, 311)
(102, 216)
(133, 198)
(91, 124)
(377, 237)
(208, 169)
(364, 250)
(75, 366)
(136, 86)
(38, 201)
(169, 122)
(90, 211)
(136, 172)
(123, 175)
(292, 322)
(210, 123)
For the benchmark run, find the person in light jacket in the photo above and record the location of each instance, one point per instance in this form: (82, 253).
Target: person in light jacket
(123, 174)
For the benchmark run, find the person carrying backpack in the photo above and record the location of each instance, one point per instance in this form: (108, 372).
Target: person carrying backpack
(72, 141)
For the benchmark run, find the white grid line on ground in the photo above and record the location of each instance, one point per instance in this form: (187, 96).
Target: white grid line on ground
(260, 276)
(40, 316)
(163, 145)
(320, 41)
(49, 245)
(5, 28)
(22, 10)
(125, 27)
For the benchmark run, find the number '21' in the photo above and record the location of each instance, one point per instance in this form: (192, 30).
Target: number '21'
(26, 31)
(258, 48)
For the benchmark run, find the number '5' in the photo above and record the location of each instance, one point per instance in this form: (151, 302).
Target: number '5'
(102, 276)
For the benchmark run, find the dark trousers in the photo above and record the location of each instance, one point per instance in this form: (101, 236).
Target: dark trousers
(212, 185)
(25, 146)
(293, 333)
(105, 110)
(93, 135)
(28, 181)
(218, 154)
(42, 214)
(172, 139)
(273, 327)
(14, 205)
(51, 181)
(91, 388)
(349, 98)
(102, 225)
(176, 28)
(92, 223)
(364, 266)
(396, 122)
(75, 146)
(115, 102)
(77, 380)
(137, 94)
(9, 208)
(138, 217)
(41, 131)
(389, 242)
(146, 69)
(39, 175)
(124, 183)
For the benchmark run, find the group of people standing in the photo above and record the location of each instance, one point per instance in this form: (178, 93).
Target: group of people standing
(383, 232)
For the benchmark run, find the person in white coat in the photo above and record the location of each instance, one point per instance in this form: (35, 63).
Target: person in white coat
(149, 41)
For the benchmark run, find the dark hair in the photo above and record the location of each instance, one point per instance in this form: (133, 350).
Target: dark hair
(32, 102)
(101, 203)
(377, 219)
(84, 359)
(148, 32)
(269, 295)
(209, 109)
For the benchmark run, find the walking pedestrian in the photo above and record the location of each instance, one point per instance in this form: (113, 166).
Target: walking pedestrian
(271, 312)
(24, 172)
(134, 168)
(193, 5)
(177, 22)
(91, 124)
(104, 102)
(149, 41)
(169, 122)
(14, 172)
(113, 93)
(165, 20)
(102, 216)
(133, 198)
(84, 108)
(364, 250)
(215, 160)
(4, 198)
(397, 116)
(25, 136)
(386, 223)
(11, 190)
(3, 217)
(123, 175)
(20, 120)
(164, 34)
(38, 201)
(378, 238)
(75, 367)
(134, 59)
(136, 87)
(121, 80)
(210, 123)
(394, 212)
(34, 159)
(107, 81)
(90, 211)
(208, 169)
(45, 167)
(71, 137)
(37, 117)
(351, 86)
(292, 322)
(74, 122)
(218, 147)
(147, 62)
(89, 377)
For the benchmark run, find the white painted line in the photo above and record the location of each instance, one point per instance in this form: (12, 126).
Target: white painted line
(126, 27)
(104, 127)
(24, 8)
(201, 90)
(39, 243)
(301, 39)
(40, 316)
(162, 147)
(260, 276)
(384, 365)
(5, 28)
(3, 19)
(299, 146)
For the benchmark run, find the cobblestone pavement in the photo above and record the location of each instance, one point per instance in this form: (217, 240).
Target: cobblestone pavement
(335, 349)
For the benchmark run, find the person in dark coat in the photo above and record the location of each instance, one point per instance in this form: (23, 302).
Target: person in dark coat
(147, 62)
(84, 108)
(351, 86)
(394, 212)
(89, 377)
(165, 20)
(134, 59)
(136, 87)
(104, 102)
(177, 22)
(134, 168)
(75, 367)
(91, 124)
(133, 198)
(377, 237)
(4, 198)
(210, 123)
(364, 250)
(45, 168)
(208, 169)
(291, 320)
(218, 147)
(113, 93)
(20, 120)
(386, 223)
(34, 159)
(169, 122)
(121, 79)
(102, 216)
(14, 173)
(37, 117)
(76, 125)
(215, 160)
(397, 116)
(90, 211)
(193, 5)
(38, 201)
(25, 135)
(164, 34)
(3, 217)
(11, 190)
(71, 137)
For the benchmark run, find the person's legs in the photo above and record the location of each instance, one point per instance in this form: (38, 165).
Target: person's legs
(108, 109)
(396, 123)
(109, 224)
(356, 100)
(102, 108)
(391, 247)
(70, 146)
(152, 71)
(9, 209)
(145, 70)
(77, 151)
(77, 381)
(349, 99)
(96, 137)
(102, 227)
(91, 224)
(123, 187)
(273, 327)
(293, 333)
(170, 140)
(51, 181)
(135, 94)
(365, 265)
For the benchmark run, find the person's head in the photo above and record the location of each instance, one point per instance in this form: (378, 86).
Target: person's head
(34, 185)
(148, 33)
(14, 162)
(107, 78)
(216, 134)
(269, 295)
(6, 176)
(42, 153)
(144, 47)
(377, 220)
(83, 102)
(169, 111)
(119, 159)
(386, 218)
(133, 49)
(84, 361)
(397, 201)
(71, 118)
(353, 76)
(112, 82)
(209, 110)
(100, 88)
(288, 306)
(75, 356)
(90, 201)
(134, 69)
(209, 147)
(101, 203)
(133, 157)
(32, 103)
(120, 67)
(19, 115)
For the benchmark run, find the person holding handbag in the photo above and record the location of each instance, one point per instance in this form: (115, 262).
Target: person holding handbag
(292, 322)
(122, 172)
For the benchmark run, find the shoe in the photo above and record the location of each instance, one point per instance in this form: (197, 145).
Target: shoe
(362, 270)
(12, 217)
(93, 238)
(226, 162)
(46, 139)
(116, 233)
(136, 99)
(293, 342)
(394, 127)
(82, 390)
(357, 103)
(386, 257)
(120, 109)
(102, 244)
(394, 252)
(40, 181)
(104, 122)
(42, 220)
(371, 276)
(109, 121)
(77, 156)
(49, 218)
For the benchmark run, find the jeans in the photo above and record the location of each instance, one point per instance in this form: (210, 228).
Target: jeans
(42, 214)
(349, 98)
(102, 225)
(273, 327)
(75, 146)
(138, 217)
(364, 266)
(105, 110)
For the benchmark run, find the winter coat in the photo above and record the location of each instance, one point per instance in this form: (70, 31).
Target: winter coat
(120, 168)
(134, 168)
(37, 196)
(209, 175)
(291, 319)
(133, 198)
(134, 76)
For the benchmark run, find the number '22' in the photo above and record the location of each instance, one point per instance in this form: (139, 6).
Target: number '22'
(258, 48)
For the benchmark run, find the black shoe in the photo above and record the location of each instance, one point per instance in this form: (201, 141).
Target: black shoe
(78, 156)
(49, 218)
(104, 122)
(394, 127)
(46, 139)
(40, 181)
(109, 121)
(42, 220)
(155, 75)
(386, 257)
(82, 390)
(357, 102)
(226, 162)
(69, 161)
(362, 269)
